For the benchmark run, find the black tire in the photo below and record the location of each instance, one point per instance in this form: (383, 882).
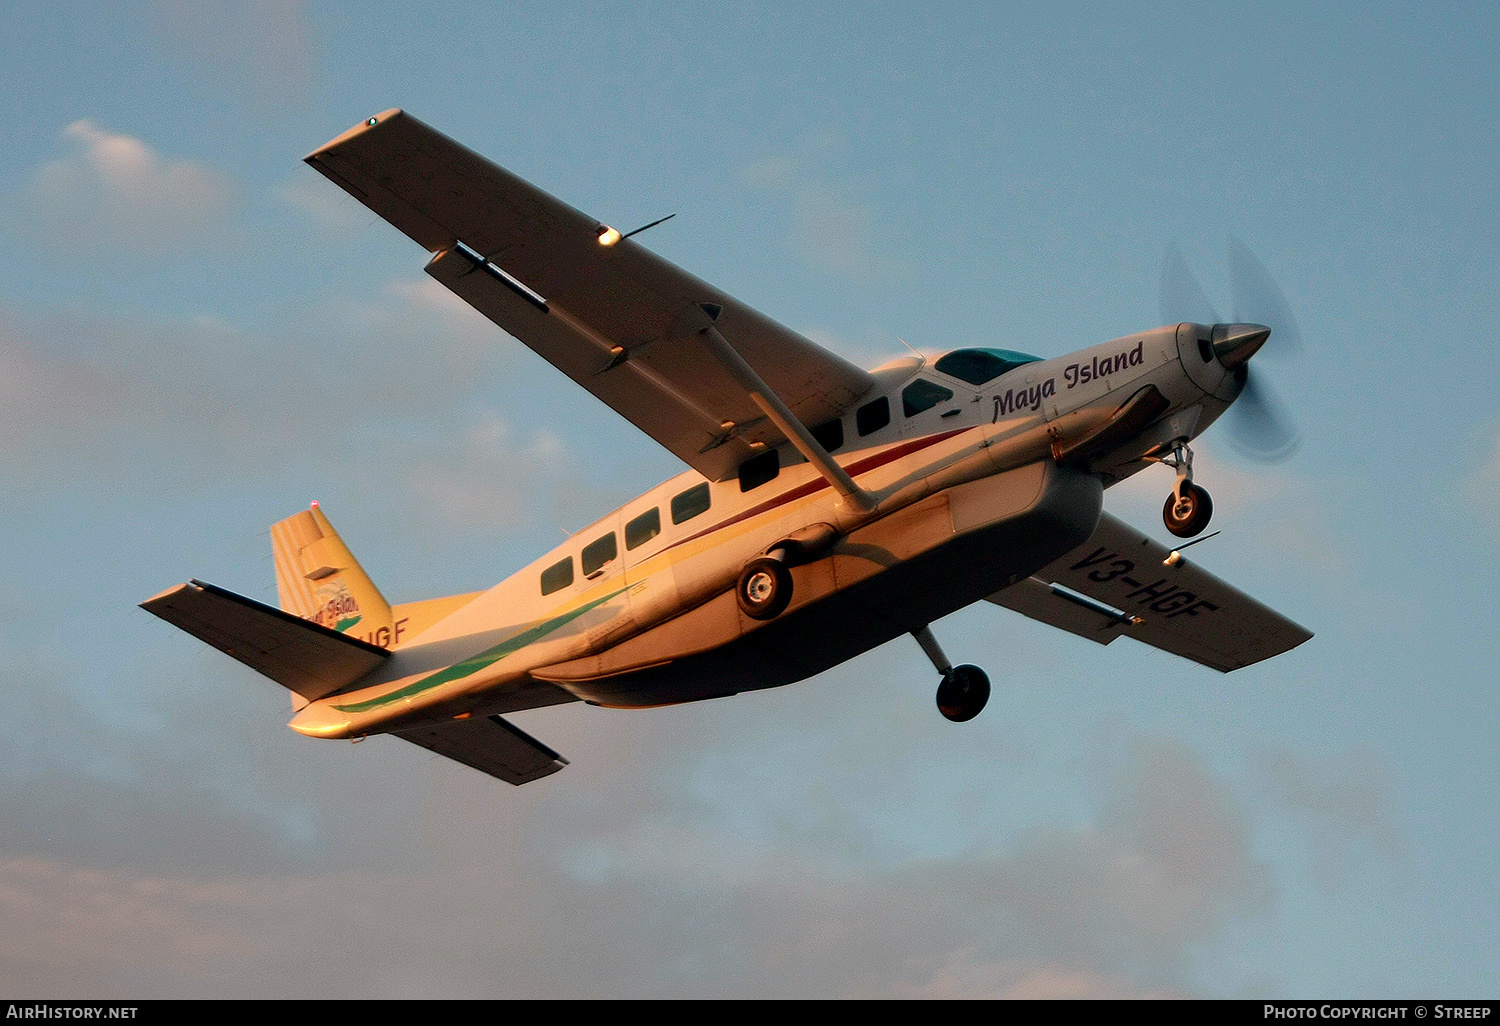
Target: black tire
(764, 588)
(962, 694)
(1193, 517)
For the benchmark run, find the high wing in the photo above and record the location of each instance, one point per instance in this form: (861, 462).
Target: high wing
(1117, 583)
(614, 317)
(300, 655)
(491, 745)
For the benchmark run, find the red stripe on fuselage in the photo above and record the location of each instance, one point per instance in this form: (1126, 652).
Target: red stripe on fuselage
(819, 483)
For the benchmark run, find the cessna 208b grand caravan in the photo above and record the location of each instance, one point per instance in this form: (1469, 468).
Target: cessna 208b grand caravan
(828, 509)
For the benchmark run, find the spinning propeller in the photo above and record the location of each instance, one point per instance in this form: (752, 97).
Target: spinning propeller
(1258, 427)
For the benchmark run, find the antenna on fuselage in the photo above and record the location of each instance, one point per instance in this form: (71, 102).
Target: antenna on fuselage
(921, 360)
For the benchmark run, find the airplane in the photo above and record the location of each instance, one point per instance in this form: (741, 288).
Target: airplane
(826, 510)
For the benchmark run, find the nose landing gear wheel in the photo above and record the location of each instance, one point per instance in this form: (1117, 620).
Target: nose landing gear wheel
(962, 693)
(1188, 515)
(764, 588)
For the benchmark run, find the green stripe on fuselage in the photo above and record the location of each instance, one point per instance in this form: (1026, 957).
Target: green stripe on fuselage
(475, 663)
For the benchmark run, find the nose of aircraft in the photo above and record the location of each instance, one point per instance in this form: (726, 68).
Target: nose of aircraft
(1236, 343)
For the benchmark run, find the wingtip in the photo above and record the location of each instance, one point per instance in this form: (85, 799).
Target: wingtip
(359, 129)
(159, 597)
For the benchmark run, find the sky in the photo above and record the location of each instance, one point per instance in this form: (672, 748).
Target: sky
(199, 335)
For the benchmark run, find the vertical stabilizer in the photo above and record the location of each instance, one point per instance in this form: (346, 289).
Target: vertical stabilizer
(319, 580)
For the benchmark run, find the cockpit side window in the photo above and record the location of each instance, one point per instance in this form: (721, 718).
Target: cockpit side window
(923, 395)
(976, 366)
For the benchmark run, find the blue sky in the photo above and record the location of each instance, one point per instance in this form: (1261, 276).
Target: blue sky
(198, 335)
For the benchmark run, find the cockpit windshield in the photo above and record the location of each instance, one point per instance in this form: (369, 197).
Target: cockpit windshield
(976, 366)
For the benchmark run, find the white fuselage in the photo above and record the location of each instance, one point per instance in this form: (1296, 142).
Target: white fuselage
(636, 609)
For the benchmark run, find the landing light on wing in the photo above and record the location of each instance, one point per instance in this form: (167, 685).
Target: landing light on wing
(608, 236)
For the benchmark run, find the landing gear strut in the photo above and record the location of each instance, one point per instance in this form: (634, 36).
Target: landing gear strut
(1189, 507)
(964, 689)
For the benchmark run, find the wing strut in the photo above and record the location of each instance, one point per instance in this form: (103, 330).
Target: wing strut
(778, 413)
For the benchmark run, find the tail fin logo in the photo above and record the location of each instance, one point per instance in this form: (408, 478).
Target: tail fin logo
(337, 608)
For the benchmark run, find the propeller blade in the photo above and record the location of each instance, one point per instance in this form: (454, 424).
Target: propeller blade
(1257, 426)
(1182, 298)
(1256, 298)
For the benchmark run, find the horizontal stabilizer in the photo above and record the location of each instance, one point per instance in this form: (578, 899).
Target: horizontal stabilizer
(307, 658)
(491, 745)
(1117, 583)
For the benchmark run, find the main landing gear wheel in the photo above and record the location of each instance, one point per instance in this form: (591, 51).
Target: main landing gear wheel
(764, 588)
(1188, 514)
(962, 693)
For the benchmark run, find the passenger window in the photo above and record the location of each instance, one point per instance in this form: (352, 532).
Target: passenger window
(557, 576)
(922, 395)
(757, 470)
(690, 503)
(873, 416)
(830, 435)
(598, 553)
(643, 528)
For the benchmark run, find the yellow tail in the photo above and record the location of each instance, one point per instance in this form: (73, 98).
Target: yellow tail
(318, 579)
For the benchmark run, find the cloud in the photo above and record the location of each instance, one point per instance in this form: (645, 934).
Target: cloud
(839, 235)
(264, 50)
(96, 396)
(404, 410)
(486, 477)
(36, 392)
(331, 210)
(831, 231)
(1342, 802)
(1482, 487)
(114, 194)
(1025, 982)
(633, 887)
(1116, 907)
(773, 173)
(102, 398)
